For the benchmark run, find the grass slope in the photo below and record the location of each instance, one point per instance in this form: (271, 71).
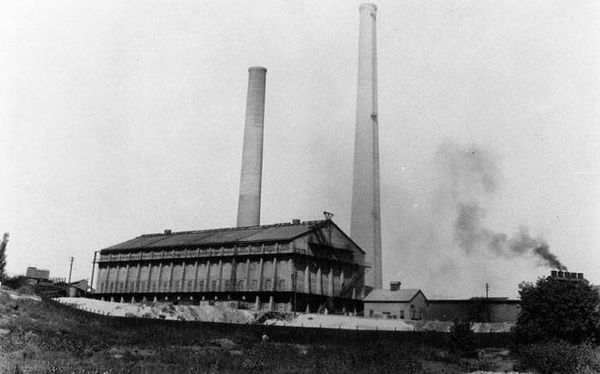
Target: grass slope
(38, 337)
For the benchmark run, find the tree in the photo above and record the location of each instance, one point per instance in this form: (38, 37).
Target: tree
(3, 257)
(558, 309)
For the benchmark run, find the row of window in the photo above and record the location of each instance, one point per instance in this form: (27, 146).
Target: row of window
(413, 314)
(190, 285)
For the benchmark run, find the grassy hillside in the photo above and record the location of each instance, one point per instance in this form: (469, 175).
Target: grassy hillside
(39, 337)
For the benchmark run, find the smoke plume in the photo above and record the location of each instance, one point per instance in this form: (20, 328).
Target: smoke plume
(473, 180)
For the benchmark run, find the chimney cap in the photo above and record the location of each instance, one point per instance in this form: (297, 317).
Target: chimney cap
(295, 221)
(368, 6)
(260, 68)
(168, 231)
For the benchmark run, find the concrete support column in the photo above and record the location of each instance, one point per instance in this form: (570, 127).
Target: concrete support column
(220, 279)
(182, 285)
(207, 284)
(275, 275)
(320, 281)
(149, 280)
(331, 281)
(307, 279)
(260, 275)
(252, 153)
(271, 303)
(233, 275)
(137, 278)
(160, 271)
(116, 279)
(126, 281)
(196, 276)
(169, 285)
(248, 274)
(107, 278)
(257, 304)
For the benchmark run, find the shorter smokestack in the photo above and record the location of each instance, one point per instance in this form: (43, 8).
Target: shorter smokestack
(251, 176)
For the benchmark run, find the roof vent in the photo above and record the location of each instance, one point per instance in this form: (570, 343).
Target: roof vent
(395, 286)
(167, 232)
(295, 221)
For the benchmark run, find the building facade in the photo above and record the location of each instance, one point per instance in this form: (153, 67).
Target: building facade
(35, 273)
(299, 265)
(476, 309)
(410, 304)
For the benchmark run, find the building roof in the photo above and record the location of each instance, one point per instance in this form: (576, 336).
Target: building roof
(281, 232)
(387, 296)
(473, 300)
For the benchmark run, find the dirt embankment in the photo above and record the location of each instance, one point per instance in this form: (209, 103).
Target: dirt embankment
(206, 313)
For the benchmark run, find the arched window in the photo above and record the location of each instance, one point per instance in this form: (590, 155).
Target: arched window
(189, 285)
(214, 285)
(165, 286)
(227, 285)
(254, 285)
(201, 287)
(111, 287)
(281, 285)
(268, 285)
(240, 285)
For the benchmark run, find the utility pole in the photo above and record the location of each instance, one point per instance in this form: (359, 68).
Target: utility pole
(70, 268)
(91, 285)
(487, 290)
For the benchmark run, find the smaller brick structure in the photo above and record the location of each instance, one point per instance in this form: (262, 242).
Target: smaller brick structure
(396, 303)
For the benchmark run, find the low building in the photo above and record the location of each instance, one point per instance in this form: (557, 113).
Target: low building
(476, 309)
(396, 303)
(37, 274)
(299, 265)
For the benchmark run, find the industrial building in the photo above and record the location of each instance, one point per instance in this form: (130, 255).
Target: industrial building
(396, 303)
(412, 304)
(37, 274)
(303, 266)
(290, 266)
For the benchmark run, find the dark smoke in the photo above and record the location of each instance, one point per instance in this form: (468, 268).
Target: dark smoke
(474, 177)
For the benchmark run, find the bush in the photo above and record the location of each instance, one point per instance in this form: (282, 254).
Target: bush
(15, 282)
(462, 338)
(560, 357)
(555, 309)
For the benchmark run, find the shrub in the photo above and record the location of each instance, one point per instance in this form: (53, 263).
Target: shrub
(462, 338)
(560, 357)
(555, 309)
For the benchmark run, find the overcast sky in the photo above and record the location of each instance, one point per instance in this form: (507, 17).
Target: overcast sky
(123, 118)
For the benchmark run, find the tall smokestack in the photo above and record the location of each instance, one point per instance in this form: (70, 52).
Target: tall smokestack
(366, 221)
(250, 181)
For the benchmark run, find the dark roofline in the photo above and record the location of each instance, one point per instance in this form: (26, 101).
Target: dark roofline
(311, 227)
(491, 300)
(398, 301)
(322, 223)
(283, 224)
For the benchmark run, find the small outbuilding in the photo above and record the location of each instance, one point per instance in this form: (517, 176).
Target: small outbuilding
(410, 304)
